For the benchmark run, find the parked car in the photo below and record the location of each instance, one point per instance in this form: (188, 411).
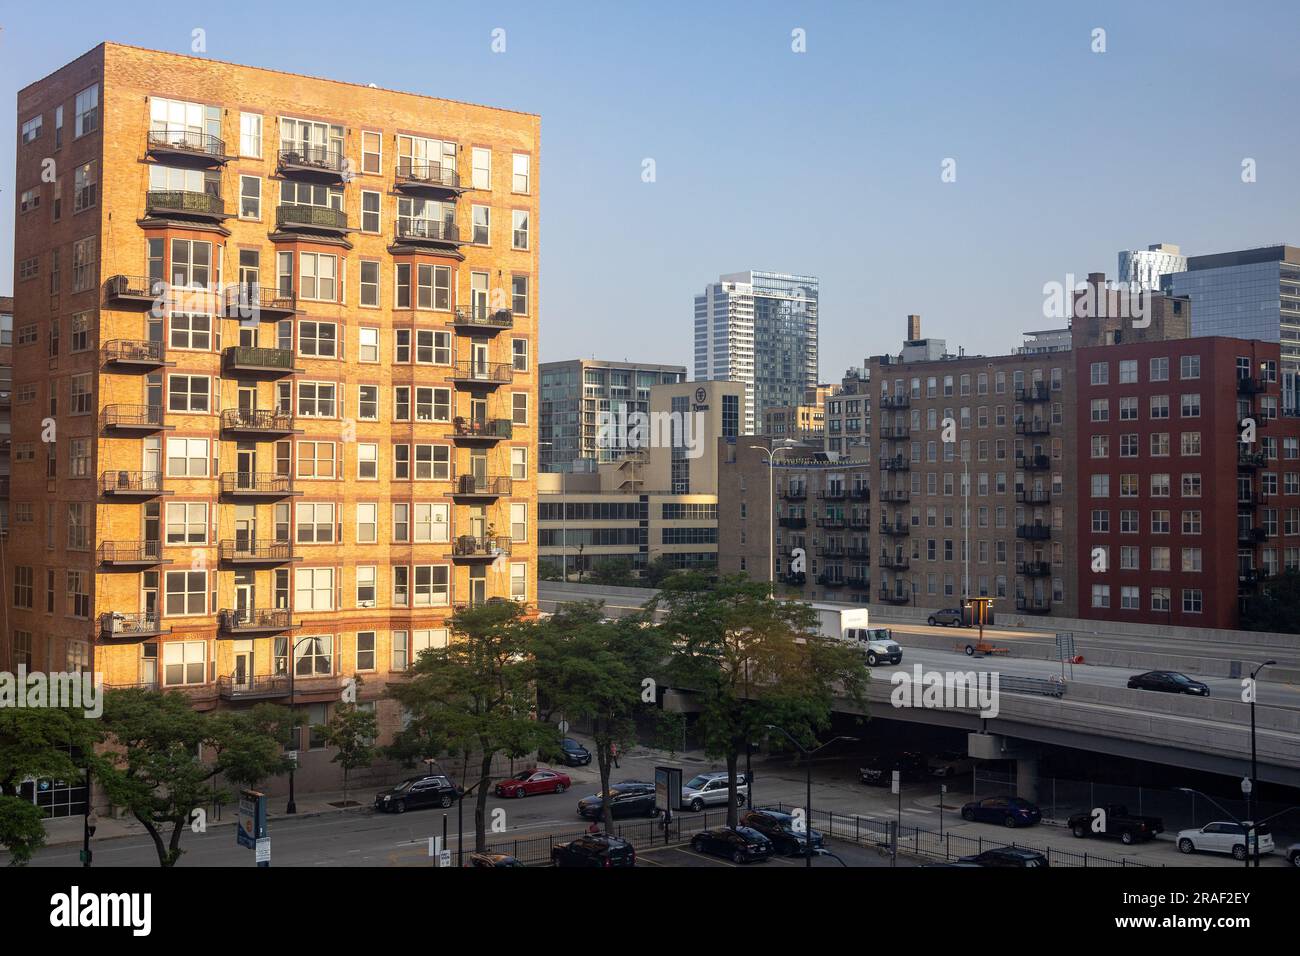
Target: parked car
(1008, 811)
(492, 860)
(779, 827)
(1171, 682)
(879, 769)
(572, 753)
(1293, 854)
(1118, 823)
(529, 782)
(951, 764)
(710, 790)
(1007, 856)
(949, 616)
(739, 844)
(1224, 837)
(594, 850)
(431, 790)
(625, 800)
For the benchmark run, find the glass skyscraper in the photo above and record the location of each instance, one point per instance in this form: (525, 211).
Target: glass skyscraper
(759, 328)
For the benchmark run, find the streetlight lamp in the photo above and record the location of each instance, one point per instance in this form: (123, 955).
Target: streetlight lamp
(771, 451)
(1247, 825)
(807, 757)
(1254, 767)
(292, 806)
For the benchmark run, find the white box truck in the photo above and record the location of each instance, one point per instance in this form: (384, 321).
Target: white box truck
(853, 625)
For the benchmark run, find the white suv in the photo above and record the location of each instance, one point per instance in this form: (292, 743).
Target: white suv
(710, 790)
(1223, 837)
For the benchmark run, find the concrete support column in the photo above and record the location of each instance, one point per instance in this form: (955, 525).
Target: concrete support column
(1027, 778)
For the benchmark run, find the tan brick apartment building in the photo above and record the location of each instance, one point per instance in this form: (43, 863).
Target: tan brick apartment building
(275, 396)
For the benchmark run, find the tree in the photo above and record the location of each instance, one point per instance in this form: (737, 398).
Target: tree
(588, 666)
(615, 572)
(1273, 609)
(154, 767)
(752, 661)
(475, 693)
(548, 571)
(38, 742)
(352, 731)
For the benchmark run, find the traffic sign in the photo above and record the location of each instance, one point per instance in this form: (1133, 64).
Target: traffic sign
(893, 787)
(263, 850)
(444, 858)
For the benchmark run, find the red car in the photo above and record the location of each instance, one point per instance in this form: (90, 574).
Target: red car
(538, 780)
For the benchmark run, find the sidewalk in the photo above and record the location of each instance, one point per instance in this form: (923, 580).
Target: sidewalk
(67, 831)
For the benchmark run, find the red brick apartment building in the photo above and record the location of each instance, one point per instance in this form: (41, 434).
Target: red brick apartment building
(1178, 521)
(285, 330)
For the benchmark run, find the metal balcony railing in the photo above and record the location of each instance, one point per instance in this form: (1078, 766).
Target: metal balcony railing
(485, 318)
(259, 483)
(132, 352)
(829, 581)
(302, 216)
(1033, 569)
(894, 597)
(894, 402)
(187, 141)
(137, 288)
(256, 420)
(131, 482)
(1249, 385)
(1251, 459)
(434, 175)
(468, 546)
(1251, 536)
(894, 563)
(833, 494)
(792, 522)
(254, 550)
(244, 688)
(1034, 532)
(896, 496)
(490, 373)
(831, 521)
(252, 300)
(1034, 497)
(248, 358)
(794, 493)
(1038, 392)
(130, 552)
(184, 201)
(492, 428)
(484, 485)
(132, 416)
(411, 229)
(1033, 462)
(302, 158)
(115, 624)
(1036, 426)
(1033, 605)
(897, 463)
(896, 529)
(253, 619)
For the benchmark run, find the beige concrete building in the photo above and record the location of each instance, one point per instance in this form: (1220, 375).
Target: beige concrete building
(275, 403)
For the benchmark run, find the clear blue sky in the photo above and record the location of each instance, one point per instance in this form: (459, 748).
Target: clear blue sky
(826, 162)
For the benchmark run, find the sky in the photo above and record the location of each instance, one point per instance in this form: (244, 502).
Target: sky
(827, 162)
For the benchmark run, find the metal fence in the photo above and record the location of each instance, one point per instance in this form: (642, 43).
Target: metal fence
(642, 834)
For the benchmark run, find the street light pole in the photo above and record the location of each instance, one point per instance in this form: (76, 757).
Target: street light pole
(784, 445)
(1254, 765)
(807, 758)
(292, 806)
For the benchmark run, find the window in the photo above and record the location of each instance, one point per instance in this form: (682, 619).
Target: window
(317, 277)
(369, 211)
(519, 464)
(370, 283)
(185, 662)
(368, 344)
(432, 585)
(29, 200)
(519, 408)
(367, 460)
(1128, 371)
(519, 229)
(250, 197)
(519, 582)
(80, 389)
(365, 639)
(1192, 601)
(185, 593)
(372, 152)
(316, 399)
(518, 521)
(1159, 406)
(432, 524)
(190, 331)
(87, 111)
(250, 135)
(188, 393)
(482, 224)
(1191, 406)
(481, 159)
(433, 287)
(187, 457)
(191, 263)
(24, 588)
(1100, 373)
(432, 462)
(315, 523)
(316, 459)
(32, 129)
(1159, 369)
(187, 522)
(83, 264)
(519, 350)
(368, 402)
(519, 295)
(1189, 366)
(367, 522)
(519, 182)
(434, 404)
(313, 655)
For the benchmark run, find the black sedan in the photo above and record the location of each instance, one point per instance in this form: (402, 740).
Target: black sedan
(740, 844)
(1170, 682)
(787, 834)
(1008, 811)
(573, 754)
(625, 800)
(1007, 856)
(433, 790)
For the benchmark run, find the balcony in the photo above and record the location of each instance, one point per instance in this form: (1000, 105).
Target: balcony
(257, 552)
(483, 374)
(270, 687)
(1034, 426)
(1034, 569)
(1250, 460)
(118, 626)
(896, 530)
(467, 431)
(186, 203)
(1251, 577)
(250, 300)
(1037, 392)
(481, 486)
(897, 463)
(893, 597)
(246, 360)
(1033, 462)
(265, 485)
(136, 419)
(1034, 605)
(257, 421)
(832, 494)
(861, 493)
(1250, 537)
(894, 563)
(895, 402)
(413, 177)
(481, 320)
(426, 232)
(829, 581)
(1248, 385)
(253, 621)
(895, 432)
(896, 496)
(1034, 497)
(131, 554)
(834, 552)
(1034, 532)
(315, 218)
(858, 552)
(318, 163)
(858, 584)
(793, 522)
(1251, 499)
(831, 521)
(122, 290)
(467, 549)
(794, 493)
(862, 522)
(794, 580)
(186, 147)
(132, 355)
(132, 484)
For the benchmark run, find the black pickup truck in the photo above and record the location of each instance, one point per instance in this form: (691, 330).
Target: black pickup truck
(1118, 822)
